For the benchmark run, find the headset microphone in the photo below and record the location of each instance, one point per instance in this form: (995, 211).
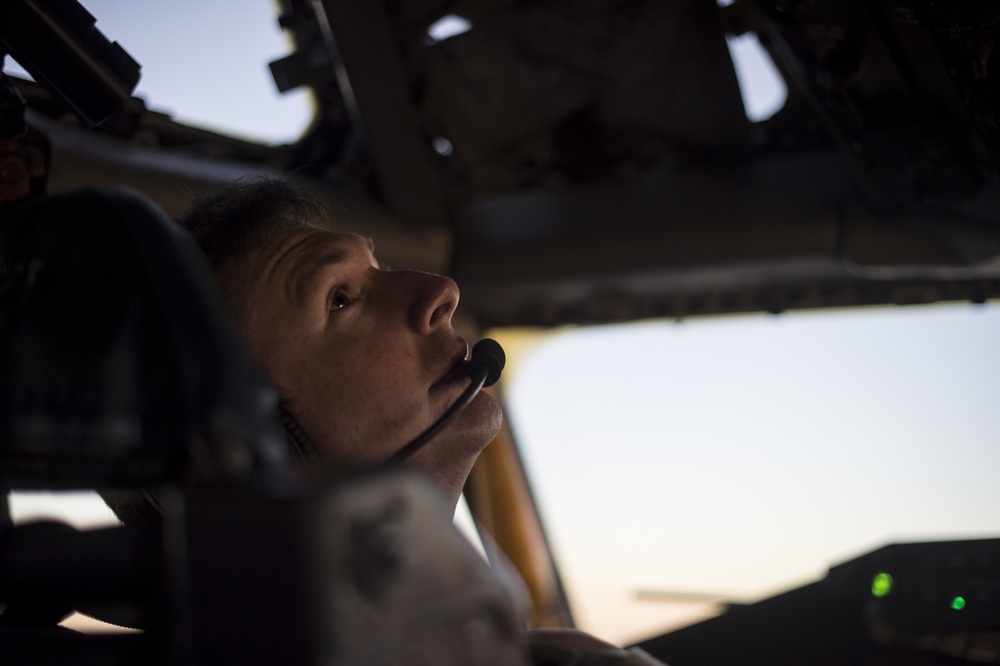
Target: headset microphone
(484, 367)
(489, 354)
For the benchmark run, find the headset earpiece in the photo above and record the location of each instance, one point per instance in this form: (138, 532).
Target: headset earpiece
(298, 439)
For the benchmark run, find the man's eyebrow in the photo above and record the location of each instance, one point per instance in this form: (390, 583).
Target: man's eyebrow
(309, 268)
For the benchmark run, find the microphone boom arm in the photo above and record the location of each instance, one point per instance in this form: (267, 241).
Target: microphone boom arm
(484, 368)
(478, 381)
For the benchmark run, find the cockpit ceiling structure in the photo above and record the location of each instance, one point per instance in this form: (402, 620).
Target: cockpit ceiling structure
(592, 161)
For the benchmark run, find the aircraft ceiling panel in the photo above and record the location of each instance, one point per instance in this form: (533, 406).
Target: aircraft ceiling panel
(592, 161)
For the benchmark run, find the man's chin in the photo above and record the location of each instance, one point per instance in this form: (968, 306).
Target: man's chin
(481, 419)
(449, 456)
(471, 429)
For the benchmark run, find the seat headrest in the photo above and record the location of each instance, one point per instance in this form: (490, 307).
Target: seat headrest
(121, 364)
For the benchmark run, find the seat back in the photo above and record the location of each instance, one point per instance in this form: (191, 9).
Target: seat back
(121, 364)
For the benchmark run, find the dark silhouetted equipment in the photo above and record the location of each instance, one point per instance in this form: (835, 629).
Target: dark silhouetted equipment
(57, 42)
(911, 603)
(114, 374)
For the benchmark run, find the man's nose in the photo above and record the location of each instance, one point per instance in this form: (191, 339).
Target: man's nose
(434, 301)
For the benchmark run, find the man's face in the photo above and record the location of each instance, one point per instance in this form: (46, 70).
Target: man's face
(363, 356)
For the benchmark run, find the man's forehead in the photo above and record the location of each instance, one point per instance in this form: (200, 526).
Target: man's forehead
(308, 237)
(308, 244)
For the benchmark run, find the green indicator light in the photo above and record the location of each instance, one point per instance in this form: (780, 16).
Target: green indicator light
(881, 584)
(958, 603)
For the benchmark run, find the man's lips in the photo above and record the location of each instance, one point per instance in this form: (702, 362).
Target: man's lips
(457, 369)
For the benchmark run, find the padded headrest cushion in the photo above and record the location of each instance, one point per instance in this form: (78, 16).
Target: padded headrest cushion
(121, 364)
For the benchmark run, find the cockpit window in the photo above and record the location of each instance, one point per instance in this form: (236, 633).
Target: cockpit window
(206, 64)
(762, 87)
(680, 465)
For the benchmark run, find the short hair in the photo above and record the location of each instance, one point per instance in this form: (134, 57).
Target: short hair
(232, 224)
(244, 219)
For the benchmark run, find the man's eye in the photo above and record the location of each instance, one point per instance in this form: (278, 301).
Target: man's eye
(339, 300)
